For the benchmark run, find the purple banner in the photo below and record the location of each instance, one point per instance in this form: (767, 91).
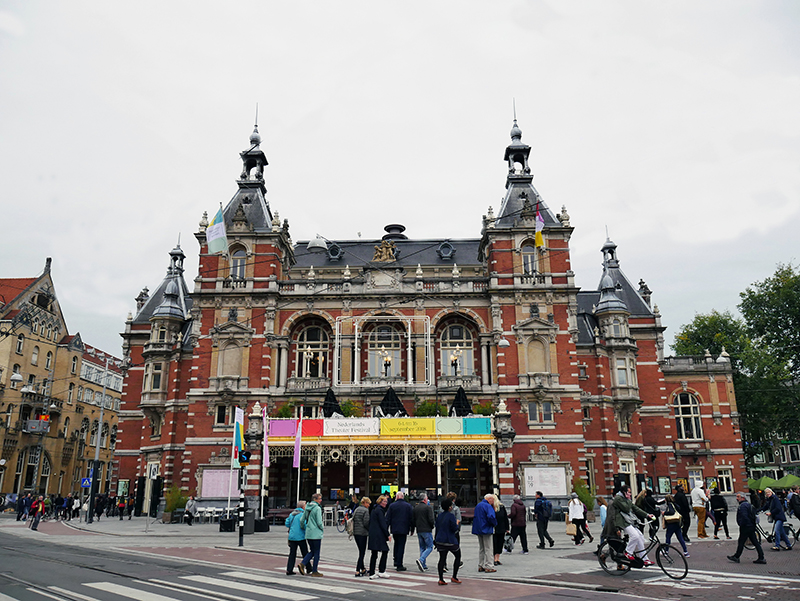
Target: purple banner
(282, 427)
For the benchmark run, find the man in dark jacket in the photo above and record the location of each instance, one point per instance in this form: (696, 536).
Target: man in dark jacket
(518, 517)
(685, 509)
(746, 518)
(423, 524)
(542, 515)
(399, 518)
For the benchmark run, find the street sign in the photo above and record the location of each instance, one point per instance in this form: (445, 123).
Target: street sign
(86, 482)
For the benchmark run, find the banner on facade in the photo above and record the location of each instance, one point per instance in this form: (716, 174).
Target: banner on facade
(449, 426)
(423, 426)
(265, 422)
(238, 437)
(477, 425)
(312, 427)
(369, 426)
(552, 481)
(282, 427)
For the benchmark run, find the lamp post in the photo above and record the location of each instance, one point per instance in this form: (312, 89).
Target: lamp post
(387, 360)
(455, 356)
(96, 463)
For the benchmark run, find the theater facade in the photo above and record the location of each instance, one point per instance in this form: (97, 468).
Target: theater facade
(467, 364)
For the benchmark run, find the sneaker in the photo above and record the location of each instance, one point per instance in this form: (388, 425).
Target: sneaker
(489, 570)
(383, 575)
(776, 548)
(444, 569)
(648, 563)
(524, 552)
(733, 558)
(552, 542)
(374, 577)
(686, 554)
(291, 573)
(761, 561)
(420, 566)
(402, 569)
(360, 574)
(301, 568)
(317, 574)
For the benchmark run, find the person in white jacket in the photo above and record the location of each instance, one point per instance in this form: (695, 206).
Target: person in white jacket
(699, 500)
(576, 516)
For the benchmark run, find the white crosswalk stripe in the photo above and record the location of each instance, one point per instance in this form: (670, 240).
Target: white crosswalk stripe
(250, 588)
(402, 578)
(316, 584)
(64, 591)
(126, 591)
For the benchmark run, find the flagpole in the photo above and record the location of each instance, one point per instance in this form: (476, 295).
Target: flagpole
(300, 452)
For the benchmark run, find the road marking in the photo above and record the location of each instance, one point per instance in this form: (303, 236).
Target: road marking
(38, 592)
(249, 588)
(126, 591)
(191, 590)
(315, 585)
(348, 573)
(7, 598)
(64, 591)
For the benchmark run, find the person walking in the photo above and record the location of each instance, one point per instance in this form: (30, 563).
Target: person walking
(603, 509)
(297, 536)
(699, 500)
(500, 530)
(446, 541)
(98, 507)
(624, 517)
(37, 510)
(576, 516)
(423, 524)
(312, 521)
(518, 520)
(794, 502)
(361, 533)
(66, 508)
(400, 519)
(190, 511)
(131, 505)
(483, 522)
(379, 538)
(23, 507)
(121, 507)
(746, 518)
(542, 512)
(774, 509)
(76, 508)
(685, 509)
(671, 521)
(720, 508)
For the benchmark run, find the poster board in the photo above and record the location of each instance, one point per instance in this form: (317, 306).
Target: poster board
(552, 481)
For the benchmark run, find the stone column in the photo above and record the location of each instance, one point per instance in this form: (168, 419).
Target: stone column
(484, 364)
(350, 465)
(319, 468)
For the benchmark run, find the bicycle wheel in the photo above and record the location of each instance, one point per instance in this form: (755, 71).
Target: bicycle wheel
(790, 533)
(605, 557)
(672, 562)
(340, 525)
(748, 545)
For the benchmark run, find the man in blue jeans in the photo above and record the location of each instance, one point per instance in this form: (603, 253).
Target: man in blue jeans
(423, 523)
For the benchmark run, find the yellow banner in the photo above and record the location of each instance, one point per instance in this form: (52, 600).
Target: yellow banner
(422, 426)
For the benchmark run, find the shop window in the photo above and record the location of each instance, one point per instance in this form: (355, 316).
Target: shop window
(312, 353)
(457, 353)
(384, 352)
(687, 417)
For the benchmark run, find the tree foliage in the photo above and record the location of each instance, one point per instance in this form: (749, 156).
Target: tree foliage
(765, 353)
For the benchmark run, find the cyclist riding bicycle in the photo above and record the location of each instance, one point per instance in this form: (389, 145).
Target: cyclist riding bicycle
(622, 514)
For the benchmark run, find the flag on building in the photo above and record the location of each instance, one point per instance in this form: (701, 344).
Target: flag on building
(539, 239)
(297, 436)
(265, 421)
(238, 437)
(215, 234)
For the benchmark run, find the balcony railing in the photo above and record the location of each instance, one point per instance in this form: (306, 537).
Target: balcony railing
(307, 383)
(472, 382)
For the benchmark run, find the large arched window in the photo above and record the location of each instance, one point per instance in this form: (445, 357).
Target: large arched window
(93, 434)
(113, 437)
(84, 428)
(104, 435)
(457, 354)
(312, 352)
(66, 427)
(70, 392)
(35, 327)
(528, 259)
(384, 352)
(687, 417)
(537, 356)
(238, 259)
(74, 368)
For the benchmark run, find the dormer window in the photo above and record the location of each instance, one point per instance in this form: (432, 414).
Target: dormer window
(446, 251)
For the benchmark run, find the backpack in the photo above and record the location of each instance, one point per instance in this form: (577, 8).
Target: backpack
(547, 509)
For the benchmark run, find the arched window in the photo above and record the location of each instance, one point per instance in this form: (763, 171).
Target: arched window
(84, 428)
(238, 259)
(15, 370)
(35, 328)
(93, 435)
(48, 362)
(70, 392)
(113, 437)
(687, 417)
(9, 415)
(20, 344)
(384, 352)
(537, 356)
(104, 435)
(528, 259)
(49, 331)
(35, 356)
(312, 353)
(44, 477)
(74, 367)
(66, 427)
(457, 353)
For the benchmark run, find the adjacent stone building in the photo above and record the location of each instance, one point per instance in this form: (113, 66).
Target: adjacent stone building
(576, 381)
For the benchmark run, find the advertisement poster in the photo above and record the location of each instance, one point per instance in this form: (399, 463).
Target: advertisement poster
(552, 481)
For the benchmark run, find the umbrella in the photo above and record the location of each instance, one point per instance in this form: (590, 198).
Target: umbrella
(391, 406)
(761, 483)
(331, 408)
(461, 406)
(787, 481)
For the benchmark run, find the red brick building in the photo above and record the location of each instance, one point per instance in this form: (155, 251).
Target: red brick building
(576, 379)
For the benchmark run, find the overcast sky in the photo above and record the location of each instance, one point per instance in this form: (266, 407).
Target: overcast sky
(674, 124)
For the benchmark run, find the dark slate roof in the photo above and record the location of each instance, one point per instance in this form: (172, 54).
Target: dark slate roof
(511, 208)
(587, 322)
(174, 274)
(250, 196)
(358, 253)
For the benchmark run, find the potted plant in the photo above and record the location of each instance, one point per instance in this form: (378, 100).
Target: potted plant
(173, 499)
(585, 495)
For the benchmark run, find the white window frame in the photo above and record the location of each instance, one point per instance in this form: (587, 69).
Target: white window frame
(688, 414)
(725, 479)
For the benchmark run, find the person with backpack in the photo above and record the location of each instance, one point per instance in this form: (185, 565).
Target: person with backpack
(671, 521)
(518, 517)
(297, 536)
(746, 518)
(312, 522)
(360, 521)
(542, 512)
(719, 506)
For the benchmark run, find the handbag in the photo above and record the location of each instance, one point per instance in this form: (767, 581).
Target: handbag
(508, 543)
(445, 546)
(572, 529)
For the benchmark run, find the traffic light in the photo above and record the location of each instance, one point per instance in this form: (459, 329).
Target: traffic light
(244, 457)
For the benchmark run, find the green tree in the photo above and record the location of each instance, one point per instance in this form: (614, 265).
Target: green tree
(712, 332)
(429, 409)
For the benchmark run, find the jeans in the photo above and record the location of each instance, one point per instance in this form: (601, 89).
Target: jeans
(315, 544)
(361, 543)
(425, 546)
(541, 530)
(675, 528)
(780, 534)
(293, 546)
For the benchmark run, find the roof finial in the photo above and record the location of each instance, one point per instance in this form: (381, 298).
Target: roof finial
(514, 104)
(179, 239)
(256, 114)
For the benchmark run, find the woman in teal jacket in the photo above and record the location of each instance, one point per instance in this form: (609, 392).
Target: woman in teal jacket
(312, 520)
(297, 537)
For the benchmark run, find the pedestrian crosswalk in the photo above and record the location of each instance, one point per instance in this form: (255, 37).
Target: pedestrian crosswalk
(225, 586)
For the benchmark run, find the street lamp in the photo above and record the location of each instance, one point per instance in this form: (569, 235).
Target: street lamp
(387, 360)
(455, 356)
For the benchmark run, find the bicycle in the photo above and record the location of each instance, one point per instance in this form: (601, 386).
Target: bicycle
(615, 561)
(770, 536)
(341, 523)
